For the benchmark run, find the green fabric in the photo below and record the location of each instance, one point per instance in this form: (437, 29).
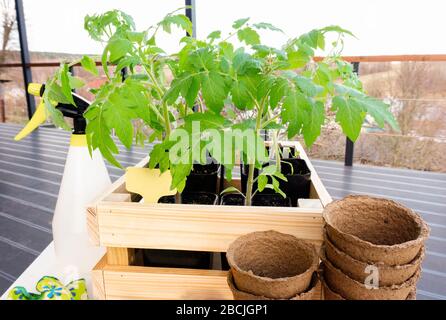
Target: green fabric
(50, 288)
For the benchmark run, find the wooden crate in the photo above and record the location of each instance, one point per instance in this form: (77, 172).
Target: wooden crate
(121, 225)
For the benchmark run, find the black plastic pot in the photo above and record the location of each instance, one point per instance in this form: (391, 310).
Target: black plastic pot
(203, 178)
(181, 258)
(177, 259)
(244, 170)
(265, 200)
(192, 198)
(298, 181)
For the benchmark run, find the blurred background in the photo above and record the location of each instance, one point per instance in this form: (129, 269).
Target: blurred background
(401, 28)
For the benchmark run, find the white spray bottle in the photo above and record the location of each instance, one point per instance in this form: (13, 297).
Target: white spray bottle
(84, 179)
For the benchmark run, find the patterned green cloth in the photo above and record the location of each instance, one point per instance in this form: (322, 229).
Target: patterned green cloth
(51, 288)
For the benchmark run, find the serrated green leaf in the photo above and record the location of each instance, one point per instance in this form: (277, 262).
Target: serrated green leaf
(315, 118)
(179, 174)
(214, 90)
(350, 115)
(337, 29)
(297, 59)
(378, 110)
(278, 91)
(76, 82)
(207, 120)
(248, 36)
(65, 83)
(262, 181)
(190, 90)
(269, 170)
(214, 35)
(307, 87)
(118, 117)
(243, 92)
(239, 23)
(180, 20)
(118, 48)
(89, 65)
(293, 113)
(266, 25)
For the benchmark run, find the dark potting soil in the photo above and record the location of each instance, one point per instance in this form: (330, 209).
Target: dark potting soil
(205, 168)
(266, 200)
(192, 198)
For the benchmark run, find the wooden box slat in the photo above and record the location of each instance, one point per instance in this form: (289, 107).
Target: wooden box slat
(121, 225)
(130, 282)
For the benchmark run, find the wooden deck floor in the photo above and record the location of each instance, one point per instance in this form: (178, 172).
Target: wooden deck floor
(31, 170)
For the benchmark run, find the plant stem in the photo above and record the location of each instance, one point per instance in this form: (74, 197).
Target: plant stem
(166, 119)
(249, 185)
(250, 182)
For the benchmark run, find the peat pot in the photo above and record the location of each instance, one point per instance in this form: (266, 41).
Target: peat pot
(351, 289)
(311, 294)
(375, 230)
(331, 295)
(355, 269)
(272, 264)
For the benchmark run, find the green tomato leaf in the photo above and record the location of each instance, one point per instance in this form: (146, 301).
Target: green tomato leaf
(269, 170)
(179, 174)
(378, 110)
(243, 92)
(76, 82)
(239, 23)
(180, 20)
(278, 90)
(262, 181)
(268, 26)
(89, 65)
(190, 90)
(293, 113)
(231, 190)
(214, 35)
(118, 48)
(248, 36)
(307, 87)
(314, 120)
(214, 89)
(297, 59)
(65, 83)
(350, 115)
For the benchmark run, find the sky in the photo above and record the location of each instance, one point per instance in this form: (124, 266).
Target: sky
(381, 26)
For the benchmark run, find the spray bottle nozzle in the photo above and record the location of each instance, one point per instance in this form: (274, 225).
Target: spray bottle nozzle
(76, 112)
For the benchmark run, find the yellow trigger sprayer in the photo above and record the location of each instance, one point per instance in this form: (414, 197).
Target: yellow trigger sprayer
(84, 178)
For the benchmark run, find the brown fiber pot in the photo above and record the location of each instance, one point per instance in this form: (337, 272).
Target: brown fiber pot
(331, 295)
(375, 230)
(311, 294)
(353, 290)
(388, 275)
(272, 264)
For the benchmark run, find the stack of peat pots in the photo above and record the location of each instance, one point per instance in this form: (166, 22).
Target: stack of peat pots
(373, 250)
(270, 265)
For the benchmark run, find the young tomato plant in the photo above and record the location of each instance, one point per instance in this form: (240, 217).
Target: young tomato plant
(229, 86)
